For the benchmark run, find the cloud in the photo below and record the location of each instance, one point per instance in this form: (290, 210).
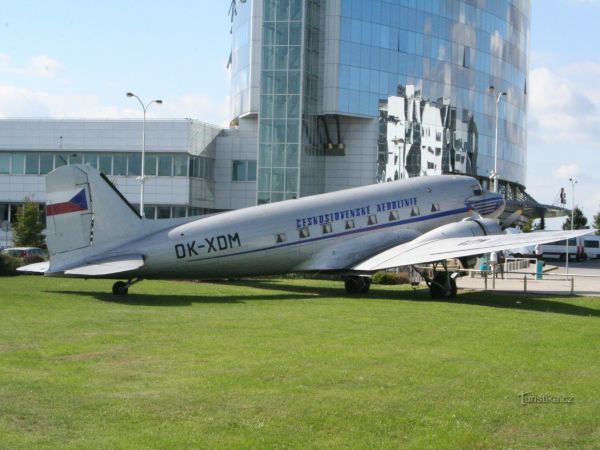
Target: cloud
(567, 171)
(562, 110)
(38, 66)
(19, 102)
(44, 66)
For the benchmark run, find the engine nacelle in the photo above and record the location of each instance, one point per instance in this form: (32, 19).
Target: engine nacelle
(465, 228)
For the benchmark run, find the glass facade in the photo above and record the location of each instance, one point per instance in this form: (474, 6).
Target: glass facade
(406, 83)
(280, 101)
(241, 21)
(424, 69)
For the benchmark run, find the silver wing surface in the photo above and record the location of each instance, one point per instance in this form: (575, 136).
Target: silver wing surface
(111, 266)
(422, 252)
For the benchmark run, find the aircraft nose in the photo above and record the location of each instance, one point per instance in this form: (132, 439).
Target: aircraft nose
(488, 204)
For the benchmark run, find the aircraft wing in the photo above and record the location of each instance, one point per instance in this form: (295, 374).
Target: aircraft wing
(412, 253)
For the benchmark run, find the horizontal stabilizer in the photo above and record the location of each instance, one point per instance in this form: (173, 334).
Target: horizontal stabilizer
(421, 252)
(41, 267)
(109, 267)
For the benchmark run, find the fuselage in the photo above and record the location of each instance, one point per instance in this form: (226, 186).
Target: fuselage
(327, 232)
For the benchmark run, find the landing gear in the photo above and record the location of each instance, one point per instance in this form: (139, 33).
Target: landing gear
(121, 288)
(443, 284)
(357, 285)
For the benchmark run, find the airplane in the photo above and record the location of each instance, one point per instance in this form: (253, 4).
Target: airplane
(94, 232)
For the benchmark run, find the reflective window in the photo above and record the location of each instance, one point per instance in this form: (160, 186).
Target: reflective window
(46, 163)
(165, 163)
(134, 164)
(18, 164)
(163, 212)
(120, 165)
(105, 164)
(4, 163)
(180, 165)
(91, 159)
(244, 170)
(150, 162)
(32, 163)
(178, 211)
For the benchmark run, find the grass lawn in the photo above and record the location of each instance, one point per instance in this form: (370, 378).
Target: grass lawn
(293, 363)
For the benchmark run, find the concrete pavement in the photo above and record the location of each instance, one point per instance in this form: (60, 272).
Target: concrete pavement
(583, 279)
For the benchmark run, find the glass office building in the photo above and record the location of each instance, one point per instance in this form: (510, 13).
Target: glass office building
(351, 92)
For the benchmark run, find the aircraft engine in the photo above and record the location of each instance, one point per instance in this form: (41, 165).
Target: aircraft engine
(466, 228)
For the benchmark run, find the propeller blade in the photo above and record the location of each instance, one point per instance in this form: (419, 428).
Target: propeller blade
(512, 219)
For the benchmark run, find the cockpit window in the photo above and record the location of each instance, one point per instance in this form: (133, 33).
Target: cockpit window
(477, 189)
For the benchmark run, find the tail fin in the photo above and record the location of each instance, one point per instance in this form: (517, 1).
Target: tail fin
(84, 209)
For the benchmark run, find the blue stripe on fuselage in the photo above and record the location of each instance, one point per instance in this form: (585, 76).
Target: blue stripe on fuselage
(346, 233)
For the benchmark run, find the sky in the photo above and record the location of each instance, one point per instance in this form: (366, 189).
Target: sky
(77, 59)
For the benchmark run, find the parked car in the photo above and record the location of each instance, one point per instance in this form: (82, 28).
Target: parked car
(22, 252)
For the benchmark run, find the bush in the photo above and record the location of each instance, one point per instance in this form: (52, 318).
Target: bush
(390, 278)
(31, 259)
(8, 265)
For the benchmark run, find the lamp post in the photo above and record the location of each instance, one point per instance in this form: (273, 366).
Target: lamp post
(573, 183)
(142, 177)
(495, 173)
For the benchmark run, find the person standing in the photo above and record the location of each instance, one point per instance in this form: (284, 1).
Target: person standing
(493, 262)
(538, 251)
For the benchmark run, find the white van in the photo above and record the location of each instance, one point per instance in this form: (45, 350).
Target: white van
(580, 248)
(591, 244)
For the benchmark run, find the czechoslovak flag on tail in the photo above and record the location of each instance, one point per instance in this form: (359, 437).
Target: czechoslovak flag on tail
(77, 203)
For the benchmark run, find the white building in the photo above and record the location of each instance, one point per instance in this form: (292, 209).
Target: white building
(184, 177)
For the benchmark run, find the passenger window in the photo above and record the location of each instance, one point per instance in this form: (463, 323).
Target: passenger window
(372, 220)
(415, 211)
(280, 237)
(326, 228)
(303, 232)
(349, 224)
(435, 207)
(393, 215)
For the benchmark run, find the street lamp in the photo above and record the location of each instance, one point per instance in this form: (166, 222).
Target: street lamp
(573, 183)
(142, 177)
(495, 173)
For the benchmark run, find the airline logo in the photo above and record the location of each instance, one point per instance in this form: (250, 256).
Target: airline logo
(77, 203)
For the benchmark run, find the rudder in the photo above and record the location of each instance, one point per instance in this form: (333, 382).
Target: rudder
(84, 209)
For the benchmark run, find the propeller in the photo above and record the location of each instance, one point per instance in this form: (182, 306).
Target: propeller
(511, 219)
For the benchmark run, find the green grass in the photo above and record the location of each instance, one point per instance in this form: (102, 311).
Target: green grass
(292, 363)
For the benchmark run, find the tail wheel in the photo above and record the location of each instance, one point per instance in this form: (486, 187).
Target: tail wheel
(120, 288)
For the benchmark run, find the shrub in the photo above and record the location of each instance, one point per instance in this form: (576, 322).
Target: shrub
(8, 265)
(390, 278)
(31, 259)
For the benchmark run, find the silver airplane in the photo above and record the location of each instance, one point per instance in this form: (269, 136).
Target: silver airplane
(92, 231)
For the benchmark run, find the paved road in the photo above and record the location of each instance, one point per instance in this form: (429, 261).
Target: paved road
(585, 276)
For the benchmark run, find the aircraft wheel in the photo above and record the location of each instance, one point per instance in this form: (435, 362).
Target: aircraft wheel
(120, 288)
(439, 288)
(357, 285)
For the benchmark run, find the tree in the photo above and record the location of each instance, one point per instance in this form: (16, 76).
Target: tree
(527, 227)
(597, 223)
(579, 221)
(27, 232)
